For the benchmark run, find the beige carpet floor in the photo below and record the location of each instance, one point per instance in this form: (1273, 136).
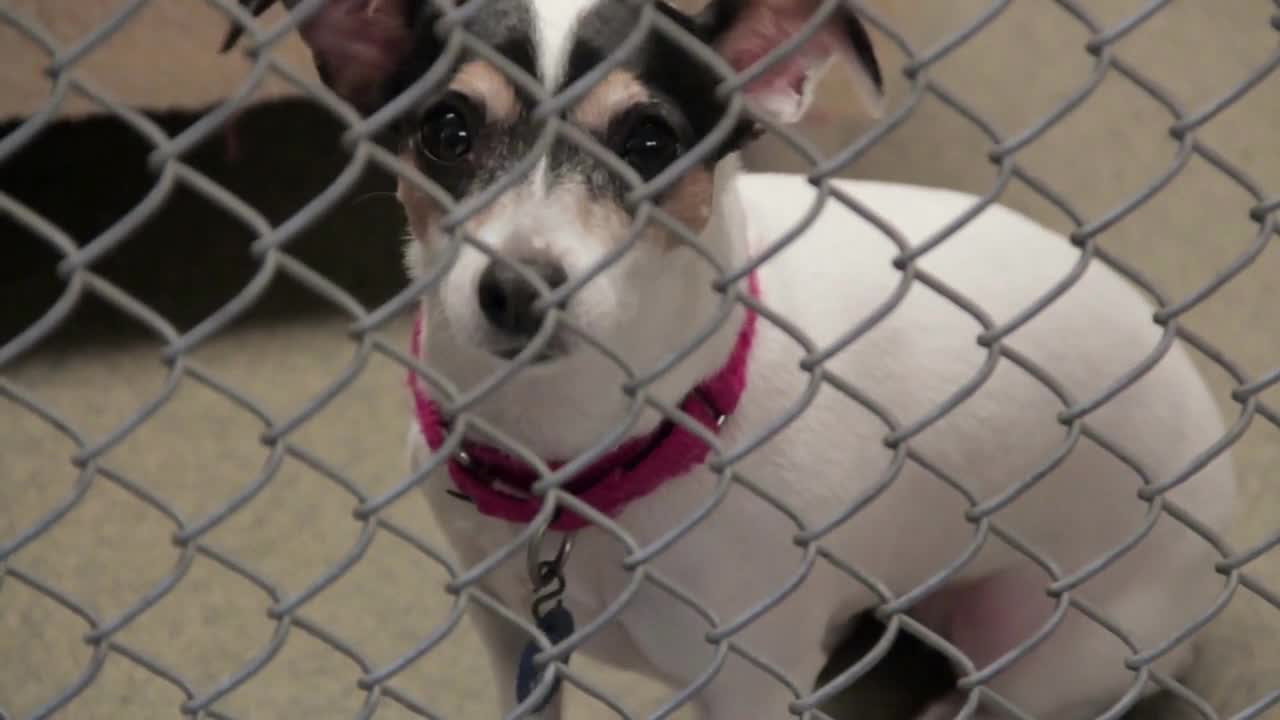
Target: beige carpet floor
(201, 448)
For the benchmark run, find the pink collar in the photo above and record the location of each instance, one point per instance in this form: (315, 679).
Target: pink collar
(630, 471)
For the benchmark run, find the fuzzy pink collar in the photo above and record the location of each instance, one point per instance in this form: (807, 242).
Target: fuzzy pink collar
(630, 471)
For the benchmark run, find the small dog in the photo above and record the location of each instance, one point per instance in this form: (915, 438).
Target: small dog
(554, 226)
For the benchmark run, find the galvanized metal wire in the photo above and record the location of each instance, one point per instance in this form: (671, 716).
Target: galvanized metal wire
(78, 269)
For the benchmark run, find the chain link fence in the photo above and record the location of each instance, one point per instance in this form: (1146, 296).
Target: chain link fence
(375, 337)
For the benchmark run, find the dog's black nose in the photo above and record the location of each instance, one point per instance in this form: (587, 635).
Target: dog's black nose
(507, 299)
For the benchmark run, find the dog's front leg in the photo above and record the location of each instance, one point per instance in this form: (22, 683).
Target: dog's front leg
(504, 642)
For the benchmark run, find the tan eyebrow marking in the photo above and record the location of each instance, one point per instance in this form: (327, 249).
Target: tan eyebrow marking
(486, 84)
(618, 91)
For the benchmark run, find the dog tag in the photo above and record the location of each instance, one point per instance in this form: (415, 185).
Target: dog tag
(556, 624)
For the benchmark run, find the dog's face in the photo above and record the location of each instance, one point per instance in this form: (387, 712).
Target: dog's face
(566, 210)
(562, 208)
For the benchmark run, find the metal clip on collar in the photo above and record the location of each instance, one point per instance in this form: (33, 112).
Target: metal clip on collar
(543, 573)
(549, 612)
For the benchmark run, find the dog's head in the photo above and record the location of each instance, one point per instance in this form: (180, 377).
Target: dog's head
(568, 209)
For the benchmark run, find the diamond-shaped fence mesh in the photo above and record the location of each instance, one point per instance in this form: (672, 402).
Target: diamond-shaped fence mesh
(161, 572)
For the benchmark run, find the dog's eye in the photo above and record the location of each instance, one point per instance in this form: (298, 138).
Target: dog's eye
(650, 145)
(446, 133)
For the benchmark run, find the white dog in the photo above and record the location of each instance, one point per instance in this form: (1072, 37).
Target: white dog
(557, 222)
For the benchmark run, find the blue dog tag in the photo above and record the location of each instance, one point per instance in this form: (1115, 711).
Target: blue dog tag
(556, 624)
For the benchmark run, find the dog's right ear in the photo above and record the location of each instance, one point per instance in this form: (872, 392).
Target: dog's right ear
(356, 44)
(746, 31)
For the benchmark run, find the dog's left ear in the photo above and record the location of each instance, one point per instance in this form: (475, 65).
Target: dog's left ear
(745, 31)
(356, 44)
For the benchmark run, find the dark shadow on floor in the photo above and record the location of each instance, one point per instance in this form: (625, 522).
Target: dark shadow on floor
(899, 686)
(191, 257)
(908, 678)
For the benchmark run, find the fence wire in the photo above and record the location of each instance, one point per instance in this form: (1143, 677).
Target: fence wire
(271, 249)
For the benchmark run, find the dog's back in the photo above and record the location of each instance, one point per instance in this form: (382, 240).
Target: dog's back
(925, 351)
